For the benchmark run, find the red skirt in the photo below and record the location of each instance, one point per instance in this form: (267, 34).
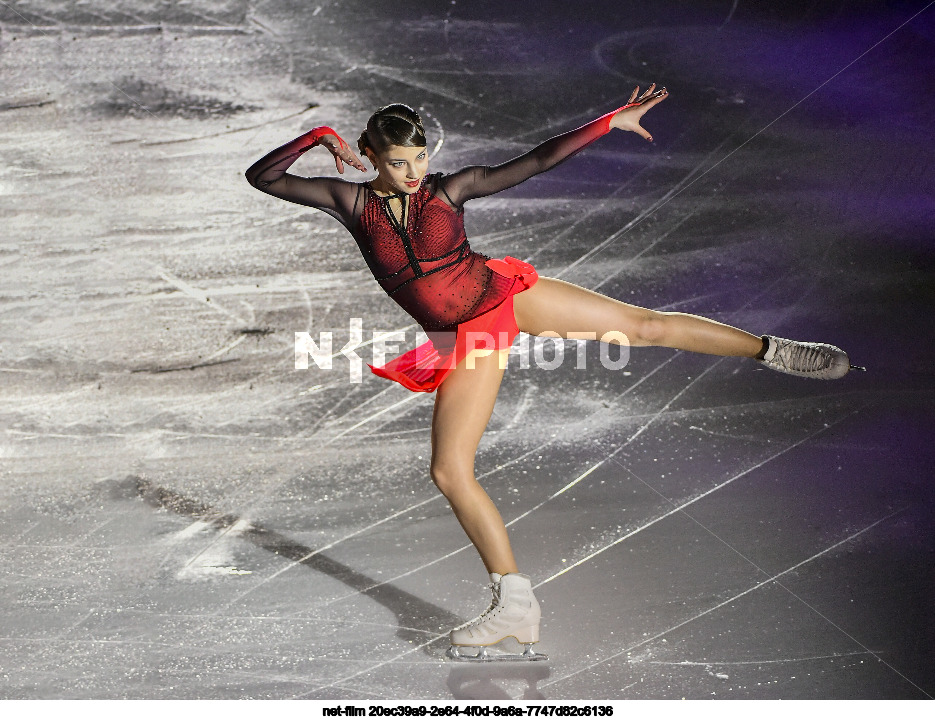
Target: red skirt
(425, 367)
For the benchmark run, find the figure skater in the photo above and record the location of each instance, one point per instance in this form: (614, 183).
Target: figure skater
(409, 226)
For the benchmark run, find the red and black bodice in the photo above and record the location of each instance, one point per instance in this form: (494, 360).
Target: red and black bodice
(426, 265)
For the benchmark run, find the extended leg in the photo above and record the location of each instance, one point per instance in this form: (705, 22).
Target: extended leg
(555, 306)
(463, 405)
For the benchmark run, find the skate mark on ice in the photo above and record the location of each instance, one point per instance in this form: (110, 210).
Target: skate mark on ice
(525, 403)
(733, 9)
(313, 431)
(25, 104)
(233, 344)
(308, 306)
(412, 612)
(388, 661)
(689, 502)
(409, 399)
(328, 416)
(683, 184)
(828, 444)
(255, 126)
(633, 258)
(636, 434)
(189, 367)
(695, 299)
(792, 107)
(760, 662)
(197, 294)
(580, 117)
(600, 205)
(765, 573)
(406, 77)
(731, 600)
(488, 242)
(42, 402)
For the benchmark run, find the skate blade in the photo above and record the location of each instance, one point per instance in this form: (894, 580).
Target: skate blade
(858, 368)
(484, 656)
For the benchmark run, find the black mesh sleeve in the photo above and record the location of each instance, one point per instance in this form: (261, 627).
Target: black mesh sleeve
(332, 195)
(479, 180)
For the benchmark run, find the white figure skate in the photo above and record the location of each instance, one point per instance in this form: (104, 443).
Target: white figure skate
(809, 360)
(514, 612)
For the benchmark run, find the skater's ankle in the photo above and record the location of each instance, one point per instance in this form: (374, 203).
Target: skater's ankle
(762, 354)
(504, 571)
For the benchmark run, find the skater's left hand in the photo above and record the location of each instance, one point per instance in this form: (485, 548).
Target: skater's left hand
(628, 117)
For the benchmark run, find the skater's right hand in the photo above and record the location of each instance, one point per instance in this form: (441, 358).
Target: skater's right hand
(341, 152)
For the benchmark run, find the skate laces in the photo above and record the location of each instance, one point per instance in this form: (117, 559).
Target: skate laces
(805, 357)
(495, 592)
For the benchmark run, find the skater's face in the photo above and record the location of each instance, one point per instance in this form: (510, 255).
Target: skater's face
(401, 169)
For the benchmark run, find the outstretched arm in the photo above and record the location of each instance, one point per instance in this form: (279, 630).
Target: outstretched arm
(269, 172)
(480, 180)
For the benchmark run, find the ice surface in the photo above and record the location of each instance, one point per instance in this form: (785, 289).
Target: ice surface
(186, 515)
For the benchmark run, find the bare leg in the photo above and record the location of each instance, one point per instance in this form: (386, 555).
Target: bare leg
(555, 306)
(464, 403)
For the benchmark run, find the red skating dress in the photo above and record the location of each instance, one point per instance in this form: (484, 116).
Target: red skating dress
(462, 299)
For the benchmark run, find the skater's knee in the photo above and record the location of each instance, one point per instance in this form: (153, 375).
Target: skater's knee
(451, 479)
(651, 328)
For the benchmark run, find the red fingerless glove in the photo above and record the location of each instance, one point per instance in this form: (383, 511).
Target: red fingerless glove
(272, 166)
(315, 134)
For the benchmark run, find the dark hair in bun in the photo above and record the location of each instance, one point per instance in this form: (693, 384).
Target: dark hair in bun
(395, 124)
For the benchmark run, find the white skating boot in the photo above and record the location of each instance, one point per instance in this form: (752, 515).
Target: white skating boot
(514, 612)
(809, 360)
